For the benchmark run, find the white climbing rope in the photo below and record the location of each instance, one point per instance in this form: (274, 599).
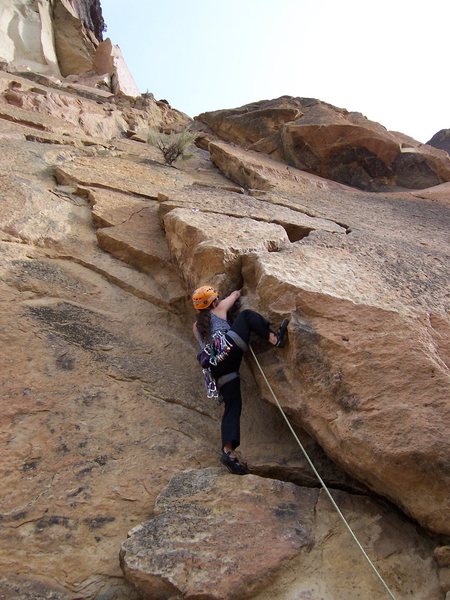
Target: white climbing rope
(322, 483)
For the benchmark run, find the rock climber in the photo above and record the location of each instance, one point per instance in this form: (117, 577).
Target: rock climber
(222, 347)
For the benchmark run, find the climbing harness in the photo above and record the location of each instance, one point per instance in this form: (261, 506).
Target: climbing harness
(240, 343)
(223, 379)
(322, 483)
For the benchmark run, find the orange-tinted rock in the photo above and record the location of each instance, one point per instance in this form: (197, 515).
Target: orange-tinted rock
(139, 241)
(75, 47)
(330, 142)
(369, 384)
(209, 247)
(103, 400)
(382, 274)
(283, 543)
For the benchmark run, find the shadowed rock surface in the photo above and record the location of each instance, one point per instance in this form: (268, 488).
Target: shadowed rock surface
(441, 140)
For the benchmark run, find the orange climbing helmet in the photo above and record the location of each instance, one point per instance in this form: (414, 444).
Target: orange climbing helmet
(203, 297)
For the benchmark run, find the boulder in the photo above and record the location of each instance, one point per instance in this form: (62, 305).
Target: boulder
(385, 430)
(217, 537)
(209, 247)
(296, 223)
(441, 140)
(331, 142)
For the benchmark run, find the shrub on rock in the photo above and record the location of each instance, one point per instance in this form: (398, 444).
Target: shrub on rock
(173, 145)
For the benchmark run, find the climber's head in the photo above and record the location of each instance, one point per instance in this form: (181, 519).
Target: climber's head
(204, 297)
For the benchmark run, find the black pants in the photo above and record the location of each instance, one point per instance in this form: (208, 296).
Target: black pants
(246, 322)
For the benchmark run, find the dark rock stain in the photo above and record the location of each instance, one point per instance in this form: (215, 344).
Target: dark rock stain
(66, 363)
(30, 466)
(85, 471)
(52, 521)
(19, 516)
(74, 324)
(98, 522)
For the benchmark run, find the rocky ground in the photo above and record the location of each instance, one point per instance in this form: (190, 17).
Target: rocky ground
(105, 425)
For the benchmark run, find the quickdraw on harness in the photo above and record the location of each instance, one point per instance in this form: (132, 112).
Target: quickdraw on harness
(212, 354)
(211, 385)
(215, 351)
(219, 348)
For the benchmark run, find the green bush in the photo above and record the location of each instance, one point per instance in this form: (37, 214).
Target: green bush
(173, 145)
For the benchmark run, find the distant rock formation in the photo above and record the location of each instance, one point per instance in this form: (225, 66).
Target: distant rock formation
(26, 36)
(108, 59)
(90, 13)
(441, 140)
(75, 42)
(62, 38)
(331, 142)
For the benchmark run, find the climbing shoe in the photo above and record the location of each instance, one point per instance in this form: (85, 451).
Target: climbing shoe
(233, 464)
(281, 334)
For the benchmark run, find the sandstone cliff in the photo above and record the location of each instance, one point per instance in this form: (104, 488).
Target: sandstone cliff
(62, 38)
(106, 430)
(331, 142)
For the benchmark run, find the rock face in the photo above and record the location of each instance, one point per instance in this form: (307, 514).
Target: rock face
(331, 142)
(104, 424)
(108, 59)
(365, 301)
(26, 36)
(90, 13)
(201, 543)
(64, 425)
(62, 38)
(74, 42)
(441, 140)
(50, 36)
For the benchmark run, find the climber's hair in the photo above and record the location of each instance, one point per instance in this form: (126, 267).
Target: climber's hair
(204, 324)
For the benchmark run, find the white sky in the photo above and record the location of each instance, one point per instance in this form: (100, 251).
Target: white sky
(388, 59)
